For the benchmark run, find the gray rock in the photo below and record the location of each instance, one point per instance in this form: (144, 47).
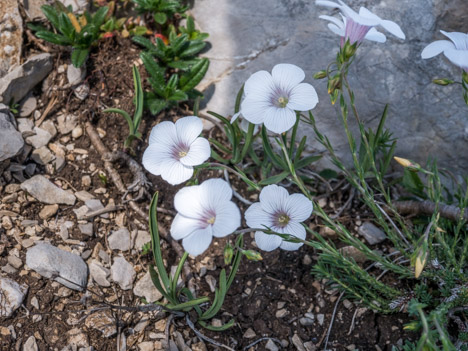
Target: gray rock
(11, 296)
(27, 106)
(123, 273)
(33, 8)
(145, 287)
(77, 5)
(428, 120)
(99, 273)
(25, 125)
(371, 233)
(42, 155)
(19, 82)
(95, 205)
(271, 346)
(141, 239)
(320, 318)
(40, 139)
(50, 127)
(75, 75)
(30, 344)
(66, 123)
(45, 191)
(86, 228)
(11, 38)
(11, 141)
(120, 240)
(83, 195)
(65, 267)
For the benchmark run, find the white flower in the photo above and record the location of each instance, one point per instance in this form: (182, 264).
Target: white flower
(281, 212)
(359, 26)
(244, 124)
(174, 149)
(204, 211)
(455, 50)
(271, 99)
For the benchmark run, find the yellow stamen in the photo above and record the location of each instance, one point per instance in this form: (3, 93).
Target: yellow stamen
(283, 219)
(211, 220)
(182, 153)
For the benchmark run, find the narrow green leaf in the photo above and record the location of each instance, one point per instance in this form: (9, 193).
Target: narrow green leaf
(277, 161)
(239, 99)
(139, 99)
(145, 42)
(124, 115)
(306, 161)
(156, 105)
(53, 38)
(274, 179)
(100, 16)
(51, 14)
(193, 48)
(188, 304)
(189, 80)
(157, 283)
(79, 57)
(219, 299)
(236, 261)
(218, 329)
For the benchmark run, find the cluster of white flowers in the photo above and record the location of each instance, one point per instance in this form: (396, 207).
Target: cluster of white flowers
(271, 100)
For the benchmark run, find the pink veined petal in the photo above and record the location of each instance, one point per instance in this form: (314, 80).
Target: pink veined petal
(174, 172)
(182, 226)
(164, 132)
(436, 47)
(154, 156)
(374, 35)
(273, 198)
(228, 219)
(393, 28)
(187, 202)
(256, 217)
(214, 192)
(303, 97)
(267, 242)
(188, 129)
(298, 207)
(459, 39)
(298, 231)
(198, 153)
(259, 83)
(197, 242)
(253, 110)
(279, 120)
(334, 20)
(287, 76)
(458, 57)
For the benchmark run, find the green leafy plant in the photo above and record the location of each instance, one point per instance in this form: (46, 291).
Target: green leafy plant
(191, 31)
(167, 93)
(133, 123)
(78, 32)
(162, 10)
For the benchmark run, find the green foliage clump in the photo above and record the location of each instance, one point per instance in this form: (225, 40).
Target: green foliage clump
(162, 10)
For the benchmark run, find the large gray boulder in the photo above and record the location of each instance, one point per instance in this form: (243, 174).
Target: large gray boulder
(429, 120)
(11, 35)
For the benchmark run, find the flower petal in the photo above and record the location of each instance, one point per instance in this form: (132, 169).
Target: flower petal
(188, 129)
(287, 76)
(436, 47)
(259, 83)
(303, 97)
(298, 231)
(163, 132)
(174, 172)
(459, 39)
(374, 35)
(214, 192)
(336, 30)
(235, 116)
(273, 198)
(393, 28)
(197, 242)
(187, 202)
(298, 207)
(198, 153)
(326, 3)
(154, 156)
(458, 57)
(257, 217)
(182, 226)
(279, 120)
(267, 242)
(334, 20)
(228, 219)
(253, 109)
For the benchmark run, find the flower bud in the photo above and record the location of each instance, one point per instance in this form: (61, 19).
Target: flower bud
(412, 166)
(228, 254)
(443, 81)
(252, 255)
(320, 74)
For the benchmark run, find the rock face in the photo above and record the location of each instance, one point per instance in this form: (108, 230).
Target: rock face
(11, 296)
(67, 268)
(19, 81)
(11, 141)
(45, 191)
(429, 120)
(11, 32)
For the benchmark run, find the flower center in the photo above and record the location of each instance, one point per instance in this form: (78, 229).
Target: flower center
(211, 220)
(182, 153)
(283, 220)
(180, 150)
(282, 101)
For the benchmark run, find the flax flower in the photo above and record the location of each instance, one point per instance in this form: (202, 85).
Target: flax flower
(455, 49)
(204, 211)
(281, 212)
(174, 148)
(356, 27)
(272, 99)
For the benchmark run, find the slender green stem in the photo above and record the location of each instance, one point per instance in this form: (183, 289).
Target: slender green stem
(248, 142)
(177, 274)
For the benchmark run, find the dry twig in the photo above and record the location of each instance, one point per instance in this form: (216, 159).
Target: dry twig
(453, 213)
